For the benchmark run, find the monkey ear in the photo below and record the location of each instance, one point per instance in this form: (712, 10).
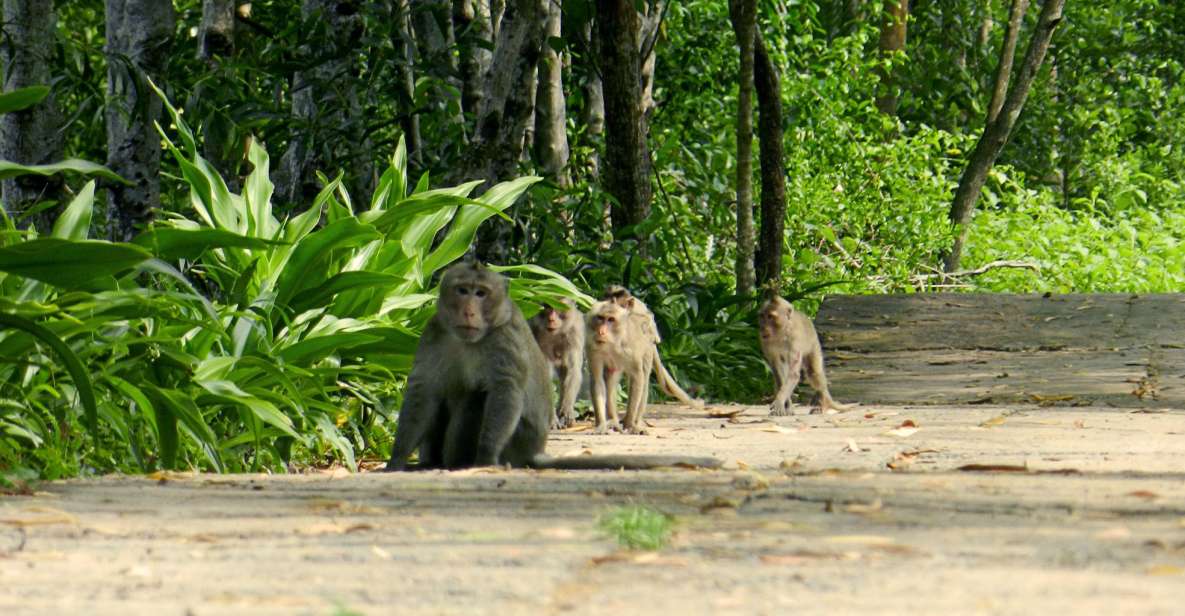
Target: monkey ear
(629, 303)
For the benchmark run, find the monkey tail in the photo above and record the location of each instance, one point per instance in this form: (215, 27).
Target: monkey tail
(671, 387)
(626, 462)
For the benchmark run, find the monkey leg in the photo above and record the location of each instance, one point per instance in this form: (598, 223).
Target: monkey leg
(600, 392)
(818, 380)
(502, 411)
(421, 410)
(614, 385)
(791, 371)
(569, 389)
(636, 405)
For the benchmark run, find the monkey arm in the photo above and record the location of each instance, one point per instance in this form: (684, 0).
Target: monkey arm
(421, 399)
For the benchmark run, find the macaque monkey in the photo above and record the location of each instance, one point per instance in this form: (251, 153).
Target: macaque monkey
(560, 334)
(791, 347)
(479, 393)
(639, 312)
(621, 341)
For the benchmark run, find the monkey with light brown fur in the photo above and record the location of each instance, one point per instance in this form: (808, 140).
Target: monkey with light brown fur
(560, 334)
(479, 394)
(791, 347)
(621, 341)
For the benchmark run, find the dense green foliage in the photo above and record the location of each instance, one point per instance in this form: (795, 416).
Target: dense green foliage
(245, 332)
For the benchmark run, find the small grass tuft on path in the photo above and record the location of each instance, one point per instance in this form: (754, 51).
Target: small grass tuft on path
(637, 528)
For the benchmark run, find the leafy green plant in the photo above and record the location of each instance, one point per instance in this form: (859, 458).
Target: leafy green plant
(637, 527)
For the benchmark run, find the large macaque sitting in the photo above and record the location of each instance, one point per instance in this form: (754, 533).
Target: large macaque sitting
(479, 394)
(560, 334)
(622, 341)
(791, 347)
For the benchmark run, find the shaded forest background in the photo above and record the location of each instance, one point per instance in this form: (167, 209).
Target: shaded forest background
(275, 228)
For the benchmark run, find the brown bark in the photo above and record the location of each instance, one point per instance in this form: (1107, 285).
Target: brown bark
(1016, 16)
(773, 175)
(29, 136)
(744, 14)
(892, 41)
(405, 48)
(626, 168)
(139, 34)
(996, 133)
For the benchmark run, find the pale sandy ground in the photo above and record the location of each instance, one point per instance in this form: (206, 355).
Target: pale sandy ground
(808, 517)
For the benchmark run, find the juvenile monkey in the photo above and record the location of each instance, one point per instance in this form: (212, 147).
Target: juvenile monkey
(560, 334)
(622, 341)
(639, 312)
(791, 347)
(479, 394)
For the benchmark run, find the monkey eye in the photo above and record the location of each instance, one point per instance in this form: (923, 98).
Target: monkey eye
(462, 291)
(480, 292)
(611, 319)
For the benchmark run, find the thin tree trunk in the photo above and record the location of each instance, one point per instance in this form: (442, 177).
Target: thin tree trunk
(892, 41)
(139, 35)
(474, 33)
(773, 175)
(648, 40)
(996, 133)
(216, 40)
(405, 49)
(325, 101)
(551, 119)
(505, 112)
(29, 136)
(626, 171)
(744, 15)
(1016, 17)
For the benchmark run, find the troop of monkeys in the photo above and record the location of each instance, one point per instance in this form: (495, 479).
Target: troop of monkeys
(479, 392)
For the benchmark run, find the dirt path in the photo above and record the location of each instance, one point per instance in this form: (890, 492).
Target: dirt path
(807, 518)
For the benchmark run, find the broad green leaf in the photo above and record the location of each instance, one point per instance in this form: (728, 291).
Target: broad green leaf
(172, 243)
(74, 222)
(340, 283)
(81, 377)
(257, 191)
(69, 263)
(22, 98)
(181, 406)
(264, 410)
(301, 271)
(311, 350)
(72, 165)
(465, 225)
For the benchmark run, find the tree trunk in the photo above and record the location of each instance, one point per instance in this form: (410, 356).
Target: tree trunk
(29, 136)
(216, 40)
(1016, 17)
(626, 170)
(744, 16)
(405, 49)
(216, 34)
(474, 33)
(325, 102)
(995, 133)
(648, 40)
(139, 35)
(773, 174)
(504, 113)
(892, 41)
(551, 120)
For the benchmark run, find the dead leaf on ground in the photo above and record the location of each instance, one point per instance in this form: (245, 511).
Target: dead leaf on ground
(725, 413)
(994, 421)
(334, 528)
(851, 447)
(781, 430)
(862, 539)
(905, 458)
(163, 476)
(1165, 570)
(578, 428)
(719, 503)
(798, 557)
(1080, 423)
(994, 468)
(722, 437)
(639, 558)
(902, 431)
(1144, 494)
(42, 516)
(873, 507)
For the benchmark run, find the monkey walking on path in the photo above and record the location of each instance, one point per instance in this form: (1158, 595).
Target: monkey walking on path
(791, 347)
(560, 334)
(479, 392)
(622, 340)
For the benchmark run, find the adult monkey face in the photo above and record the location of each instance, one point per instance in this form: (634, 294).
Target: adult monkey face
(473, 302)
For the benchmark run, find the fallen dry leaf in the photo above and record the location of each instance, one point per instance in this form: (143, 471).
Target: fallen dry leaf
(902, 431)
(1144, 494)
(780, 430)
(722, 502)
(908, 423)
(1114, 533)
(872, 507)
(863, 539)
(725, 413)
(993, 422)
(798, 557)
(42, 516)
(1165, 570)
(994, 468)
(851, 447)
